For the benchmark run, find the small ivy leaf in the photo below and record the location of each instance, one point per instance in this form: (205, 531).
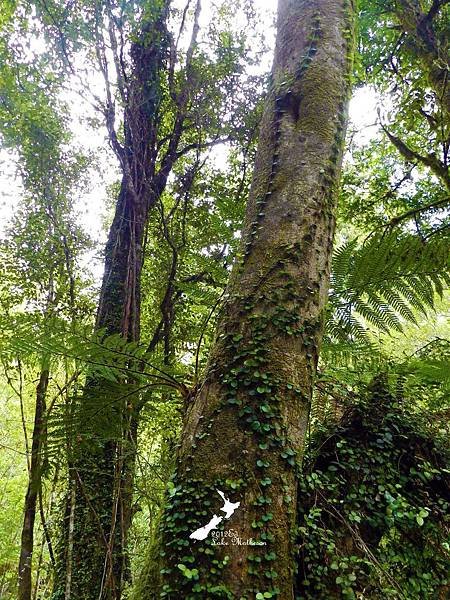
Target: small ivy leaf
(250, 362)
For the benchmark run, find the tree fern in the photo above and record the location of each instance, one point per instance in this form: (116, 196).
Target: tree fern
(383, 282)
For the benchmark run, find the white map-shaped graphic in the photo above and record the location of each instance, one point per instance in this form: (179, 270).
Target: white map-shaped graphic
(228, 508)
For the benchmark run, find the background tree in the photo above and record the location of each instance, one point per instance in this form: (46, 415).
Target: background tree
(40, 251)
(155, 87)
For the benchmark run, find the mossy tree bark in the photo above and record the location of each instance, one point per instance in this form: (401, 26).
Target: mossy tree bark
(244, 432)
(92, 559)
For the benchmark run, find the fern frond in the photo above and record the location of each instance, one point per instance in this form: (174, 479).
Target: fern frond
(383, 282)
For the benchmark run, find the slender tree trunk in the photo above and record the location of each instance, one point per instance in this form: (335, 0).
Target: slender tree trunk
(244, 431)
(32, 494)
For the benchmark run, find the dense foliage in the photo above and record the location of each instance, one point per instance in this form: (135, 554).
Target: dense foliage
(374, 494)
(374, 503)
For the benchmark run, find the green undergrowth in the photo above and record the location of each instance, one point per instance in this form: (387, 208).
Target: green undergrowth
(374, 506)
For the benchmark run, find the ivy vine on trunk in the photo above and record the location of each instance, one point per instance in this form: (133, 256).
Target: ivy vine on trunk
(93, 559)
(244, 431)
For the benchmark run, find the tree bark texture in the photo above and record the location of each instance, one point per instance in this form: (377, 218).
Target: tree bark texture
(93, 561)
(244, 432)
(32, 494)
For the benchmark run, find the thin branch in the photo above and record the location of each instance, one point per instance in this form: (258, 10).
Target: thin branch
(429, 160)
(203, 145)
(200, 339)
(435, 8)
(22, 414)
(170, 156)
(14, 450)
(46, 529)
(120, 73)
(415, 211)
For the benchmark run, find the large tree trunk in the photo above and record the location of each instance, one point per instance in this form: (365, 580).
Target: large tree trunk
(245, 429)
(32, 494)
(93, 562)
